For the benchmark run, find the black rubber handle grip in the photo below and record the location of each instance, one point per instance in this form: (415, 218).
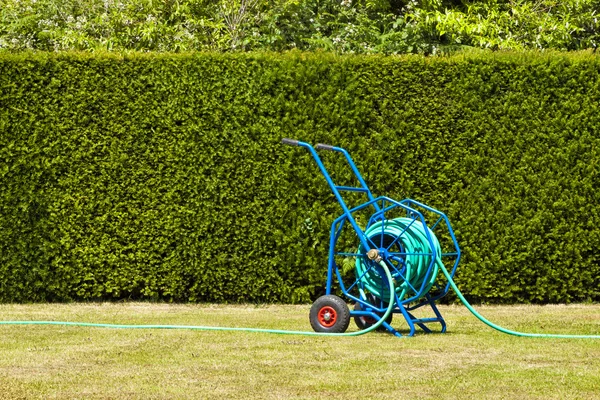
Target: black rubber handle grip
(290, 142)
(324, 146)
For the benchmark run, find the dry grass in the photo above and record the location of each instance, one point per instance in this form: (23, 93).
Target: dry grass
(470, 361)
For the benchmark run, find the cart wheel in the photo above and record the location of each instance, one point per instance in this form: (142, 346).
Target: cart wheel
(364, 322)
(329, 314)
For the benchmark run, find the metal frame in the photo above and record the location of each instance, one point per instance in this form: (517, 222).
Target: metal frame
(382, 207)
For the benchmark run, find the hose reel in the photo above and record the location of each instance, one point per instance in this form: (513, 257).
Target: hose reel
(406, 244)
(403, 244)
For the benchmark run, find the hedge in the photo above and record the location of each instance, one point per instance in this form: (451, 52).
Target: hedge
(162, 177)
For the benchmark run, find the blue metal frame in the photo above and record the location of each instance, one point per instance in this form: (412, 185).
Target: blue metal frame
(382, 206)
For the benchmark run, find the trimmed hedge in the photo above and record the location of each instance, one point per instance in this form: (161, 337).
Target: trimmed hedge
(145, 176)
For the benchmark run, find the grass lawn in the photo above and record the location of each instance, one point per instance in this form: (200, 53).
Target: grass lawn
(470, 361)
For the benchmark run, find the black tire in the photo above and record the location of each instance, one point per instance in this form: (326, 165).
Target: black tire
(329, 314)
(363, 322)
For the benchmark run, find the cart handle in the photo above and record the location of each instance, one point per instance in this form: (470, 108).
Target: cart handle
(324, 147)
(335, 189)
(290, 142)
(363, 184)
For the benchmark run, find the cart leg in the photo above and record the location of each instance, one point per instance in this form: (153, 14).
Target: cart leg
(437, 313)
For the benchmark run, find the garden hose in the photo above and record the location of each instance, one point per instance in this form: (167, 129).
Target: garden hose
(414, 245)
(504, 330)
(221, 328)
(416, 256)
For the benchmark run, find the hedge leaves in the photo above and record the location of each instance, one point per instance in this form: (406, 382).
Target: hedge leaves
(146, 176)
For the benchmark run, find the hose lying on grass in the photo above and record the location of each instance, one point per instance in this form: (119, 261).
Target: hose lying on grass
(310, 333)
(224, 328)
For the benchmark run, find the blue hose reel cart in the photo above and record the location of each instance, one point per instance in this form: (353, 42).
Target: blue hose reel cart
(400, 234)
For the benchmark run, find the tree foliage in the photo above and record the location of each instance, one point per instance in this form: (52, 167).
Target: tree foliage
(344, 26)
(518, 24)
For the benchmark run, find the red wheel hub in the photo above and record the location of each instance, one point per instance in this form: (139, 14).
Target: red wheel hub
(327, 316)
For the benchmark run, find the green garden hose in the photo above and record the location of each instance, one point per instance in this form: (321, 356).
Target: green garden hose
(220, 328)
(416, 244)
(412, 239)
(504, 330)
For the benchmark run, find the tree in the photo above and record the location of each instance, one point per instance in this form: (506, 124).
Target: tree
(345, 26)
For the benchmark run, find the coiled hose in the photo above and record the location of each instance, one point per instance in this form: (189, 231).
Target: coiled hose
(408, 237)
(414, 243)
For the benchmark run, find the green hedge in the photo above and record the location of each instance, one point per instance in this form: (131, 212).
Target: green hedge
(147, 176)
